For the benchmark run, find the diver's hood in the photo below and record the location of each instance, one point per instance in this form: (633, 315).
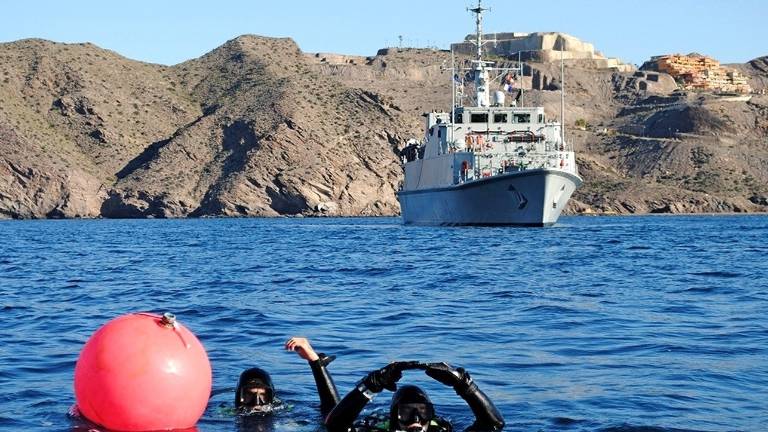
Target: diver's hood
(407, 394)
(254, 377)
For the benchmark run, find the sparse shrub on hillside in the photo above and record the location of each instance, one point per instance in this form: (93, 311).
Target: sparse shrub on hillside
(700, 156)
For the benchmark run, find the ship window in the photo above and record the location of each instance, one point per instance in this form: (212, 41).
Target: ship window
(479, 118)
(541, 118)
(500, 118)
(459, 118)
(522, 118)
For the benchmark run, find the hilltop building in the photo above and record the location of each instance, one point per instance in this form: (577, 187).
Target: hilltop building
(544, 47)
(699, 72)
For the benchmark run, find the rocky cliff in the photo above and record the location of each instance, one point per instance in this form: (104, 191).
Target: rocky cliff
(258, 128)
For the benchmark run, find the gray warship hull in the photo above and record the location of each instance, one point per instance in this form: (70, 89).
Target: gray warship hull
(533, 197)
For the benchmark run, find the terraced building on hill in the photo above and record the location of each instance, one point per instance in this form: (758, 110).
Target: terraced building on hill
(699, 72)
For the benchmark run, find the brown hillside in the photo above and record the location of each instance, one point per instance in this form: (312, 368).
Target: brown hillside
(256, 127)
(275, 138)
(78, 114)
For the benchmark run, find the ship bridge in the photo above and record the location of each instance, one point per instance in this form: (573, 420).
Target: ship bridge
(477, 129)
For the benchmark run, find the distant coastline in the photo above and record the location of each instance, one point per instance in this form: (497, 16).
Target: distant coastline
(258, 128)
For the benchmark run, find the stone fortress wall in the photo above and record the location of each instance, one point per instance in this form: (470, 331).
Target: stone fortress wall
(336, 59)
(544, 47)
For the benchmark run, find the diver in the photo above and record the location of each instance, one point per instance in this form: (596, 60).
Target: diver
(411, 409)
(255, 392)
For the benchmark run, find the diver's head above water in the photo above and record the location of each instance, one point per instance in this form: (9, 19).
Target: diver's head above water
(410, 410)
(255, 391)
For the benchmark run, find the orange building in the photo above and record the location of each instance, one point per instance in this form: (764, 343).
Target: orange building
(698, 72)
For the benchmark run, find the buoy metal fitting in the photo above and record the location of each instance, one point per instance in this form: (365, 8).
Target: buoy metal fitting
(168, 320)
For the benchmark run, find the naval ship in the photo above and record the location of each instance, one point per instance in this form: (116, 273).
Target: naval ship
(487, 164)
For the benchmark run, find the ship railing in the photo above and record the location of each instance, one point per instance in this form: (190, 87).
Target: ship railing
(528, 143)
(479, 141)
(490, 164)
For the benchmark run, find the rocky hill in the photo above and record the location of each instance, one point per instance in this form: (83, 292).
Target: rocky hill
(258, 128)
(248, 129)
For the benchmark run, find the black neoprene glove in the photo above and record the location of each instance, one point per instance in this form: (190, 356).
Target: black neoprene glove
(457, 378)
(387, 377)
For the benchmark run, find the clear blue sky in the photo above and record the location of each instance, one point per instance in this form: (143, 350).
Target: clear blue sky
(171, 31)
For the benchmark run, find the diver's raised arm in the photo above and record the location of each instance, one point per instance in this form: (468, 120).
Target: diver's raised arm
(487, 416)
(342, 417)
(326, 389)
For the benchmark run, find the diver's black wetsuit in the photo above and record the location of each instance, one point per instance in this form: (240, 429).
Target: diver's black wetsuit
(326, 389)
(342, 417)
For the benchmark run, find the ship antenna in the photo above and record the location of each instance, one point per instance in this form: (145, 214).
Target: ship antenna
(479, 27)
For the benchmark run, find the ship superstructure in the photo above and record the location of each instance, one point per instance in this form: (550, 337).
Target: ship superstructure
(492, 163)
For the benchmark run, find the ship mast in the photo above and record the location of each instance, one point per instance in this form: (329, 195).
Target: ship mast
(481, 73)
(562, 96)
(478, 11)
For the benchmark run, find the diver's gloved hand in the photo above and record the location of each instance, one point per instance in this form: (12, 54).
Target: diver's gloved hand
(386, 377)
(457, 378)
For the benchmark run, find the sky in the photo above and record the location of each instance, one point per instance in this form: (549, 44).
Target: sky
(171, 31)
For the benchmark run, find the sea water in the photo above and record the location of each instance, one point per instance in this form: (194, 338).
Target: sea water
(597, 323)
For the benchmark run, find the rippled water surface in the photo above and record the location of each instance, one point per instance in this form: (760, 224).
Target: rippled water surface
(612, 323)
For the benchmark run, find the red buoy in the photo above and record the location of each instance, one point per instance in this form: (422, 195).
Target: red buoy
(143, 372)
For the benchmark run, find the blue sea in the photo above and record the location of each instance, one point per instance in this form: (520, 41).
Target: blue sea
(647, 323)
